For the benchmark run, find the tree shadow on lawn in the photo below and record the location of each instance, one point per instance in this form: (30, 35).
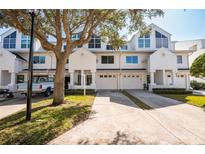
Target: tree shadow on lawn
(47, 123)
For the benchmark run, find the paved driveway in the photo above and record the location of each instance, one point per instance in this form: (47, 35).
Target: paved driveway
(184, 121)
(117, 120)
(11, 106)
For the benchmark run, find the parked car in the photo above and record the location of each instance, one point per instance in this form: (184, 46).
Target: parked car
(40, 85)
(5, 92)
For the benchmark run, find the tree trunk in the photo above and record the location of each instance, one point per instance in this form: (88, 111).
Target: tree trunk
(58, 97)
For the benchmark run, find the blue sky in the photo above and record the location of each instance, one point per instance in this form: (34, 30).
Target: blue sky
(182, 24)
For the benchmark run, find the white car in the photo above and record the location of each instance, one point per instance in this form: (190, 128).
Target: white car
(40, 85)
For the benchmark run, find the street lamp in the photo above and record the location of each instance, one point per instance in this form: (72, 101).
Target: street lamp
(30, 69)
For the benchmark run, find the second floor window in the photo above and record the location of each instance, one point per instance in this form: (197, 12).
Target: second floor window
(144, 41)
(10, 41)
(124, 47)
(132, 59)
(76, 36)
(179, 59)
(39, 59)
(161, 40)
(107, 59)
(25, 41)
(95, 42)
(109, 47)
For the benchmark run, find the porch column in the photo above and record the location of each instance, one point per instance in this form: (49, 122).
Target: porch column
(13, 78)
(173, 78)
(93, 80)
(164, 77)
(71, 79)
(187, 82)
(81, 79)
(151, 81)
(12, 85)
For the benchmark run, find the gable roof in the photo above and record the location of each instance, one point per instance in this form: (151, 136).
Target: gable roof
(152, 25)
(157, 27)
(18, 57)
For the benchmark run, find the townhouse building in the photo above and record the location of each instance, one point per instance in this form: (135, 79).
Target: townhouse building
(145, 62)
(198, 48)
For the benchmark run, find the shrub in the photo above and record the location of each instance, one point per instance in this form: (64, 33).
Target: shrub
(171, 91)
(79, 92)
(197, 85)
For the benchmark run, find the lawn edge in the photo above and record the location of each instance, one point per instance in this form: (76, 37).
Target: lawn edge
(190, 103)
(137, 101)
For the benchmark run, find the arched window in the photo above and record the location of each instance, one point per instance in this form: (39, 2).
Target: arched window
(10, 41)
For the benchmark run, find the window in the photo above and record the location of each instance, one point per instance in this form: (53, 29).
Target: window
(107, 59)
(95, 42)
(25, 41)
(109, 47)
(124, 47)
(76, 36)
(179, 59)
(88, 79)
(39, 59)
(10, 41)
(20, 78)
(132, 59)
(161, 40)
(64, 47)
(67, 61)
(144, 41)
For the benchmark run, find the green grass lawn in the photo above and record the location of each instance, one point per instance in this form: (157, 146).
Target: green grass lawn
(187, 98)
(47, 122)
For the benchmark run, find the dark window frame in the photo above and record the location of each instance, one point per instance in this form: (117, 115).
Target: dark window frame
(9, 42)
(95, 42)
(107, 60)
(39, 59)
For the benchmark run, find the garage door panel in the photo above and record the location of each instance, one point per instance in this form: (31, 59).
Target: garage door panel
(106, 81)
(131, 82)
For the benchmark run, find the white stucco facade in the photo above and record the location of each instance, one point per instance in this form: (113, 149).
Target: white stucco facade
(198, 47)
(149, 62)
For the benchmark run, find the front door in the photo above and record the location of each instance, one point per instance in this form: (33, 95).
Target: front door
(67, 81)
(148, 82)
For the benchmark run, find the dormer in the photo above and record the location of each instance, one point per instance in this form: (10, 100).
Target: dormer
(157, 38)
(15, 41)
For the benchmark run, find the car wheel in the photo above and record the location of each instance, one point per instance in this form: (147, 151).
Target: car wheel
(47, 92)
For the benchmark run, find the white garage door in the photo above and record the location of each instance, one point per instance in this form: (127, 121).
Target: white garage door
(131, 81)
(106, 81)
(181, 81)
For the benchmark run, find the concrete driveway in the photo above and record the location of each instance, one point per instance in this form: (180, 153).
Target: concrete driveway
(117, 120)
(13, 105)
(184, 121)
